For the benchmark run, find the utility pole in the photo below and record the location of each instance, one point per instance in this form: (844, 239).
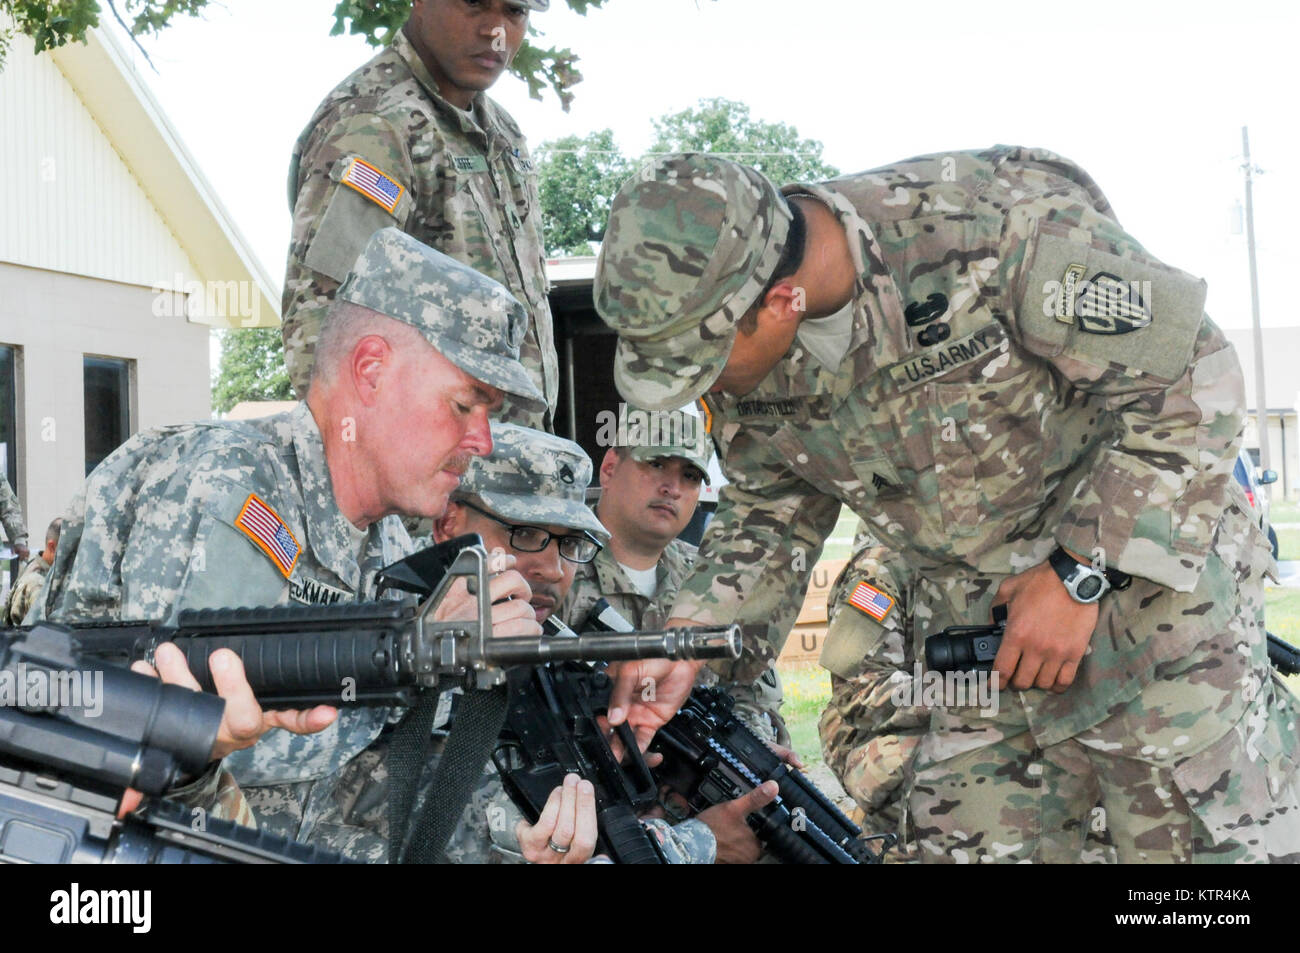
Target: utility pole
(1261, 409)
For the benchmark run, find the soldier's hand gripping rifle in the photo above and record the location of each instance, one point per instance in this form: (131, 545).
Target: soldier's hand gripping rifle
(711, 757)
(972, 648)
(72, 739)
(385, 652)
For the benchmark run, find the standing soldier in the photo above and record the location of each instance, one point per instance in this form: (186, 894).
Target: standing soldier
(1026, 408)
(410, 140)
(11, 516)
(32, 577)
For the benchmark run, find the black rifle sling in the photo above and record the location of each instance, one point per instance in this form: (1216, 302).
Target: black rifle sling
(479, 718)
(408, 752)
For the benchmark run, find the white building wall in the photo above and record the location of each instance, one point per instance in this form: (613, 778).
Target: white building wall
(57, 319)
(68, 201)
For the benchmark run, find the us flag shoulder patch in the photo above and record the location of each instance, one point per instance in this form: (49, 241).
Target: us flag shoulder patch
(867, 598)
(373, 184)
(265, 528)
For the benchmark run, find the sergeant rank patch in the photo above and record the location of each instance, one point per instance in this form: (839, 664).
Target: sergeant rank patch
(264, 527)
(373, 184)
(867, 598)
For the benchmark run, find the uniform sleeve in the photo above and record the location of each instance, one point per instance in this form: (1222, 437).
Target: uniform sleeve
(1115, 323)
(689, 842)
(769, 529)
(338, 205)
(11, 516)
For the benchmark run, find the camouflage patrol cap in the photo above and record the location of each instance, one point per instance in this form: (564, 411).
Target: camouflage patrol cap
(532, 477)
(472, 320)
(539, 5)
(653, 434)
(690, 245)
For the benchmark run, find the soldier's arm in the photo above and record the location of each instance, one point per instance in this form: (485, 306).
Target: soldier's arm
(11, 516)
(1169, 379)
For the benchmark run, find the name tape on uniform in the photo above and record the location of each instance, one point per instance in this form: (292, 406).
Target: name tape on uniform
(933, 363)
(373, 184)
(264, 527)
(867, 598)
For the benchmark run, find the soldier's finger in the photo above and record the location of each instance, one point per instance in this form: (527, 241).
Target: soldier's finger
(1005, 662)
(1047, 675)
(514, 618)
(141, 667)
(301, 721)
(509, 585)
(1026, 671)
(172, 667)
(566, 823)
(538, 834)
(243, 717)
(620, 691)
(759, 798)
(585, 829)
(1065, 677)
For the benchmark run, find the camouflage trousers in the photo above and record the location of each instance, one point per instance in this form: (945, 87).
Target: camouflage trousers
(1168, 784)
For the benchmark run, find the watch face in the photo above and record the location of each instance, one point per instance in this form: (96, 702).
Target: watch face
(1089, 588)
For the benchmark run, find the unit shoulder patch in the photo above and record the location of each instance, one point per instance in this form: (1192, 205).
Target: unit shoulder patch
(269, 533)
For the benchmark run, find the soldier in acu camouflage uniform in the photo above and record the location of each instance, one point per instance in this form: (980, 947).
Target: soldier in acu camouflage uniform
(297, 508)
(410, 140)
(970, 352)
(32, 577)
(650, 486)
(11, 517)
(527, 500)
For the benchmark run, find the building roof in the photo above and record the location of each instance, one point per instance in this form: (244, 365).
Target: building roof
(1281, 365)
(158, 191)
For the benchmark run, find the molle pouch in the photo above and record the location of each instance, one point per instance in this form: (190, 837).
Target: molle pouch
(1081, 300)
(364, 199)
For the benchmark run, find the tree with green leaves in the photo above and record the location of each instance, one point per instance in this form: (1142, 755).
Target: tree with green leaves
(52, 23)
(251, 368)
(725, 127)
(579, 175)
(577, 179)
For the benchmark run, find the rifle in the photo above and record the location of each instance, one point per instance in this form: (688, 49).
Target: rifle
(972, 648)
(74, 740)
(551, 730)
(711, 756)
(385, 652)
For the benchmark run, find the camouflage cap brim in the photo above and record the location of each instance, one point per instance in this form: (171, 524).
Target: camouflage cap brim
(690, 244)
(541, 6)
(493, 369)
(543, 511)
(699, 461)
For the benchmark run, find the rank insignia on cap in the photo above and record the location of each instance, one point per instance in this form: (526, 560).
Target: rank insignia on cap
(867, 598)
(264, 527)
(373, 184)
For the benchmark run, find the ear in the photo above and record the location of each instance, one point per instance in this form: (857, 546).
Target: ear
(371, 359)
(607, 466)
(450, 524)
(785, 302)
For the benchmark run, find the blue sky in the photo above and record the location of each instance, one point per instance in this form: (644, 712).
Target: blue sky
(1148, 97)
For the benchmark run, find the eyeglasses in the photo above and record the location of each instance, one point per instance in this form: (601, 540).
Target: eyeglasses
(576, 548)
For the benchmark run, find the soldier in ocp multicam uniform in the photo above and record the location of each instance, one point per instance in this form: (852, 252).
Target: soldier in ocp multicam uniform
(1025, 407)
(410, 140)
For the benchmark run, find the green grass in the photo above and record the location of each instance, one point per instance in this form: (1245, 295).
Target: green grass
(1288, 543)
(1284, 511)
(807, 689)
(839, 545)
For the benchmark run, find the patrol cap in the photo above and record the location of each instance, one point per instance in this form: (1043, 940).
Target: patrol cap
(653, 434)
(691, 242)
(532, 477)
(472, 320)
(539, 5)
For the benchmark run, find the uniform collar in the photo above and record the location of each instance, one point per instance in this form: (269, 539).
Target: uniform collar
(333, 540)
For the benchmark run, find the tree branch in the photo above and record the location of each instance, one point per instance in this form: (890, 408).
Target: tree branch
(132, 35)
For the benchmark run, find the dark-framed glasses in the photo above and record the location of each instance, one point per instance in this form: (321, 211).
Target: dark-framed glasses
(580, 547)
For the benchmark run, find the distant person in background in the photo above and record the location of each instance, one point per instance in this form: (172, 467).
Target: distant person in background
(32, 577)
(11, 515)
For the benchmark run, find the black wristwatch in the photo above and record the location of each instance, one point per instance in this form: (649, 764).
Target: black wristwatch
(1083, 582)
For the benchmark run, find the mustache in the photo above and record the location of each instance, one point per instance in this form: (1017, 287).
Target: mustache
(672, 506)
(552, 592)
(458, 463)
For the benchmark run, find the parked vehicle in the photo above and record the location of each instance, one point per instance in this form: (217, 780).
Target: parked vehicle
(1245, 474)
